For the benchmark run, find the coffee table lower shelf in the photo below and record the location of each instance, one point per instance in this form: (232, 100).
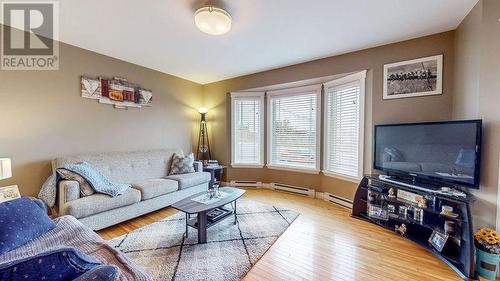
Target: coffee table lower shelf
(191, 207)
(194, 221)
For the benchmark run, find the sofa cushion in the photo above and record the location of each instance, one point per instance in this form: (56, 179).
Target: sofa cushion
(191, 179)
(21, 220)
(98, 203)
(155, 187)
(126, 166)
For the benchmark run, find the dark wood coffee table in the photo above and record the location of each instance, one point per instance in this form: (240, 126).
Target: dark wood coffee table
(201, 222)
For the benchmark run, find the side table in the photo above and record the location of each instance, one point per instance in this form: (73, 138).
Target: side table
(216, 173)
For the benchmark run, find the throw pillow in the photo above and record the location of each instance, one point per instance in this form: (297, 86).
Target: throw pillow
(21, 221)
(182, 164)
(85, 188)
(61, 264)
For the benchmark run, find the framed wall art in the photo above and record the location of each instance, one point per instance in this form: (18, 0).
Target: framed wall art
(116, 91)
(414, 78)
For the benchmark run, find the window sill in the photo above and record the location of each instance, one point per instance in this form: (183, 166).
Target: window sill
(249, 166)
(293, 169)
(341, 177)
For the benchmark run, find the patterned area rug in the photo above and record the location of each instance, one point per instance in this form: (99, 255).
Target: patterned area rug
(231, 250)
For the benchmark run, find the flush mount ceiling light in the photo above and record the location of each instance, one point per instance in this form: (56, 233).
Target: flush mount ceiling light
(212, 20)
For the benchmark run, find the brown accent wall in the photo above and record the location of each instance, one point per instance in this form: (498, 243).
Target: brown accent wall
(477, 85)
(377, 110)
(42, 115)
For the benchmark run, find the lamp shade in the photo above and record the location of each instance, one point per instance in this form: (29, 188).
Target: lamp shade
(212, 20)
(5, 168)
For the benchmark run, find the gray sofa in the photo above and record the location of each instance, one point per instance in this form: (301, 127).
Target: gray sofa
(147, 172)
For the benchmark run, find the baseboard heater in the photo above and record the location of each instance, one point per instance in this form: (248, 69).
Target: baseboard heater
(254, 184)
(337, 200)
(304, 191)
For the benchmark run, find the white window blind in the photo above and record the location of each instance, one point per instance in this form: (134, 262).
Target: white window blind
(247, 129)
(344, 107)
(294, 127)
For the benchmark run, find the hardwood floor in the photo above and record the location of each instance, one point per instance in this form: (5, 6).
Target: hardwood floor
(324, 243)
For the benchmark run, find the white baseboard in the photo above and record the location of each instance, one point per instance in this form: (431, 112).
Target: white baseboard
(319, 195)
(267, 186)
(245, 184)
(293, 189)
(341, 201)
(326, 196)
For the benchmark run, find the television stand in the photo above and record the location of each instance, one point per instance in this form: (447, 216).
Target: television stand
(415, 214)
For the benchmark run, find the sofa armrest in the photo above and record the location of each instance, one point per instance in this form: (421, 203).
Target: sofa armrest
(68, 191)
(198, 166)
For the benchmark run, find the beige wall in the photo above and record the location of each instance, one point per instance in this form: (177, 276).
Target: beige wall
(477, 87)
(377, 110)
(43, 116)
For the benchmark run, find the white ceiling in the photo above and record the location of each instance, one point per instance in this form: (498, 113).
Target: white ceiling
(266, 34)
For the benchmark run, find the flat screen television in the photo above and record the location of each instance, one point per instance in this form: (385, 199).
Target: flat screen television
(439, 153)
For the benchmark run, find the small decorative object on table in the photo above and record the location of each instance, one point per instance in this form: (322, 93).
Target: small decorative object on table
(391, 193)
(447, 211)
(391, 208)
(372, 196)
(422, 203)
(403, 212)
(487, 243)
(401, 229)
(418, 215)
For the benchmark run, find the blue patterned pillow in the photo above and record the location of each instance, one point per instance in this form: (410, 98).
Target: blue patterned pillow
(60, 264)
(21, 221)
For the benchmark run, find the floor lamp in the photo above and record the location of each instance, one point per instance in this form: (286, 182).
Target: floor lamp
(203, 153)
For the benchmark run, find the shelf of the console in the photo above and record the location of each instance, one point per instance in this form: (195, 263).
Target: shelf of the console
(450, 261)
(408, 187)
(395, 200)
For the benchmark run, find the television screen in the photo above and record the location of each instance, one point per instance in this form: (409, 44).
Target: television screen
(442, 152)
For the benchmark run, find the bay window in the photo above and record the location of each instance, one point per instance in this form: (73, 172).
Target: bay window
(293, 139)
(247, 122)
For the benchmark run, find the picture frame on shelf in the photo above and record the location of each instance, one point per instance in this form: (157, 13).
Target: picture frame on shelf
(8, 193)
(378, 212)
(438, 240)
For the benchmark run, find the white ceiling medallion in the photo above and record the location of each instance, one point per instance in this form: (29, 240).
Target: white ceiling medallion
(212, 20)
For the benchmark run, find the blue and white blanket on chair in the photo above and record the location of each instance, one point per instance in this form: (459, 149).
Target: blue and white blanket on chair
(94, 177)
